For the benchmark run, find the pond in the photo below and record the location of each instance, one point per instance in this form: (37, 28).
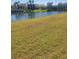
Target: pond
(25, 16)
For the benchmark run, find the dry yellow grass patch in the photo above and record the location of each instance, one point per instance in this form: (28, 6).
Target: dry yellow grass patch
(42, 38)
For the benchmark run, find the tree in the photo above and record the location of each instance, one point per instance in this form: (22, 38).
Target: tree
(62, 7)
(16, 4)
(31, 5)
(49, 6)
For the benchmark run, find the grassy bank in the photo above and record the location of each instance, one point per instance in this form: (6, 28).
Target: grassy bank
(42, 38)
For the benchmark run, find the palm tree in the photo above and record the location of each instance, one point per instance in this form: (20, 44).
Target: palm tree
(49, 6)
(16, 4)
(31, 1)
(31, 5)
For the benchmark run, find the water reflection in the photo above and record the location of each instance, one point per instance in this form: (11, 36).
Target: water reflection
(31, 15)
(23, 16)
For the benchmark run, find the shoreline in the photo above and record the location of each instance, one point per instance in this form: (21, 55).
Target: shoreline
(36, 18)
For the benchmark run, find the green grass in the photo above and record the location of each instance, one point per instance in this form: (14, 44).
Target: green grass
(39, 10)
(42, 38)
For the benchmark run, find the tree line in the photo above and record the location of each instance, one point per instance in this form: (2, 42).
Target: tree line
(25, 7)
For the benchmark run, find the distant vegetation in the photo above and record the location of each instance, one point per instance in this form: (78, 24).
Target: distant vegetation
(59, 7)
(25, 7)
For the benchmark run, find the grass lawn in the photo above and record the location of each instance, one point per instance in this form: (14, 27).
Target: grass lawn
(40, 38)
(39, 10)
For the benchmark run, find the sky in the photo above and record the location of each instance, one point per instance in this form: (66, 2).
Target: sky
(39, 1)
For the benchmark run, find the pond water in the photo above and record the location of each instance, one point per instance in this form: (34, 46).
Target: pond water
(25, 16)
